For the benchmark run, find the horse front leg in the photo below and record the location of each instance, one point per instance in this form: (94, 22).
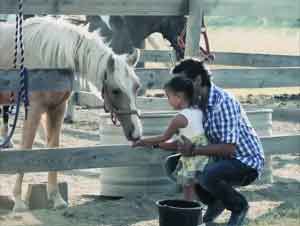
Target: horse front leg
(29, 130)
(4, 128)
(54, 195)
(19, 205)
(53, 125)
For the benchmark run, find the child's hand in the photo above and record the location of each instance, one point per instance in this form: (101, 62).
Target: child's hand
(185, 146)
(138, 143)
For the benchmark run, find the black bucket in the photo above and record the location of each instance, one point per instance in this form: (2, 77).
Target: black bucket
(179, 213)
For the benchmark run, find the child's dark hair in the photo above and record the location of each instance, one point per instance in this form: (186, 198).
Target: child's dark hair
(181, 84)
(192, 68)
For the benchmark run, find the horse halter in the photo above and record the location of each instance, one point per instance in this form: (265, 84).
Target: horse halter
(113, 109)
(204, 52)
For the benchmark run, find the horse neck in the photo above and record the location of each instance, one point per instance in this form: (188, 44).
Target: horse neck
(144, 25)
(90, 60)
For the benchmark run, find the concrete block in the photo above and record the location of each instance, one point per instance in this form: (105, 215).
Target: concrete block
(36, 197)
(6, 202)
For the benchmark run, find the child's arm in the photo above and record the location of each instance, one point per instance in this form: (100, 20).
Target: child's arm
(179, 121)
(169, 146)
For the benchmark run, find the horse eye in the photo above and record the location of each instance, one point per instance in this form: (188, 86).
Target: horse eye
(116, 92)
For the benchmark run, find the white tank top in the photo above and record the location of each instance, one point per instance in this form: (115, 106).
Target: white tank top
(195, 126)
(194, 131)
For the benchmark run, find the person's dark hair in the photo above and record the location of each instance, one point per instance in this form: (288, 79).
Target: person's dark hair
(192, 68)
(181, 84)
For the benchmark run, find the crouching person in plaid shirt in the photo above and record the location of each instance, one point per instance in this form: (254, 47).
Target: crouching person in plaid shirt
(233, 144)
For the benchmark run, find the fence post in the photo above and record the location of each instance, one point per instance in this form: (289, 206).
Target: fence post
(193, 29)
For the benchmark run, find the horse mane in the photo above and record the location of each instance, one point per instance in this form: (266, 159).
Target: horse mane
(55, 43)
(59, 42)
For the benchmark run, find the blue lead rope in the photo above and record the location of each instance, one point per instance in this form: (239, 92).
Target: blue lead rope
(23, 92)
(23, 89)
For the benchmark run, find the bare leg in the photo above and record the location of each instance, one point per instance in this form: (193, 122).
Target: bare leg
(188, 192)
(28, 135)
(53, 126)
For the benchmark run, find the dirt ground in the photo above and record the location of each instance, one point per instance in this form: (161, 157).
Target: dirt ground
(277, 204)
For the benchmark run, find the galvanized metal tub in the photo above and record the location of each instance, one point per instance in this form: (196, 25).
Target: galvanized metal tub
(155, 122)
(128, 181)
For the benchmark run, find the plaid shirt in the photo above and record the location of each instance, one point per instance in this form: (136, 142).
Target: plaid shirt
(225, 122)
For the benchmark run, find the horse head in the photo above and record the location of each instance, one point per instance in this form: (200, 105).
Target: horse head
(129, 32)
(111, 74)
(120, 86)
(173, 29)
(122, 41)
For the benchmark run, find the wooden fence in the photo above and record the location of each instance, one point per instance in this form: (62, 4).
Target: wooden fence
(267, 8)
(59, 159)
(61, 79)
(229, 58)
(115, 155)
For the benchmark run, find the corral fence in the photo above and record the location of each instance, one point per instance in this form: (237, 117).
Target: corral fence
(269, 74)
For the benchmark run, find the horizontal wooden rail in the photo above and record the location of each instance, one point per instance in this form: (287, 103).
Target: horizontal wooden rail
(288, 9)
(39, 80)
(231, 78)
(291, 114)
(256, 60)
(62, 79)
(98, 7)
(228, 58)
(267, 8)
(40, 160)
(158, 56)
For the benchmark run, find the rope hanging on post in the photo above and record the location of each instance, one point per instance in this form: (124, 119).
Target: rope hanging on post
(23, 91)
(22, 95)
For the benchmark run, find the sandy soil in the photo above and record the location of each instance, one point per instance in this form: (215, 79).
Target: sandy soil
(268, 203)
(276, 204)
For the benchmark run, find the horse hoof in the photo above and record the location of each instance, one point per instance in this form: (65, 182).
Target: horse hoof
(56, 201)
(68, 120)
(20, 207)
(10, 144)
(61, 204)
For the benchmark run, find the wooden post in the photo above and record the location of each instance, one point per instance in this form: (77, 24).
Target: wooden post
(193, 29)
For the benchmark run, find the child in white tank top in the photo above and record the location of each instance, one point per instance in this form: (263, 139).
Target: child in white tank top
(187, 122)
(187, 166)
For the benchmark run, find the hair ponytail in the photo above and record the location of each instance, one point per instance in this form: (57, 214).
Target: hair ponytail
(181, 84)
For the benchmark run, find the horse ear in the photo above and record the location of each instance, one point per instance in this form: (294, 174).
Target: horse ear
(133, 58)
(111, 63)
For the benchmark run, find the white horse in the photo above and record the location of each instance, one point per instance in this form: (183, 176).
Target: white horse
(51, 43)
